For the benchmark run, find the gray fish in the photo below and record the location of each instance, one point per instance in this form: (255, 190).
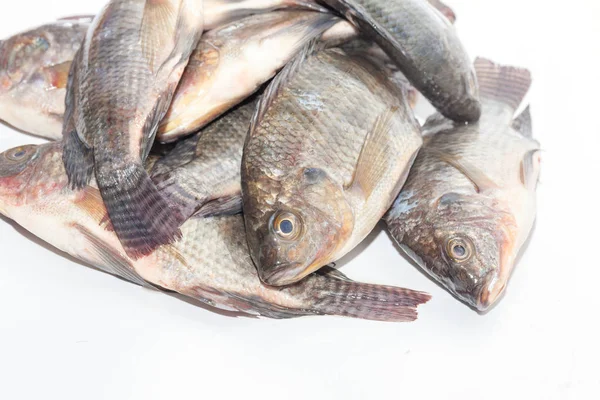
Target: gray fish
(228, 65)
(328, 151)
(201, 175)
(469, 202)
(120, 87)
(210, 263)
(423, 43)
(34, 67)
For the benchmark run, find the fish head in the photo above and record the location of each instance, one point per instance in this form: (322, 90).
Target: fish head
(465, 243)
(297, 229)
(30, 177)
(20, 57)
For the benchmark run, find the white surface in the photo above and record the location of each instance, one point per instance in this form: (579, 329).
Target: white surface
(69, 332)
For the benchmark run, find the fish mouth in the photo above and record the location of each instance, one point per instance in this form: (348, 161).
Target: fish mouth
(284, 274)
(490, 293)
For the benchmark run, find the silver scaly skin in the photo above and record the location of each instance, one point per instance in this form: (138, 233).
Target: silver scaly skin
(120, 87)
(210, 263)
(424, 45)
(328, 150)
(468, 205)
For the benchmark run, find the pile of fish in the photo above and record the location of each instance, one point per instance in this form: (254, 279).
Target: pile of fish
(233, 151)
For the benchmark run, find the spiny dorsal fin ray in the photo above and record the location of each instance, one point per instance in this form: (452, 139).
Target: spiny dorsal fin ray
(502, 83)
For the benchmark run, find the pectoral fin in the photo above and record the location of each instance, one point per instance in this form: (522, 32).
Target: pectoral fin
(374, 155)
(481, 181)
(158, 27)
(530, 169)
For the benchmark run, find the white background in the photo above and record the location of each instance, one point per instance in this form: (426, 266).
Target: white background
(69, 332)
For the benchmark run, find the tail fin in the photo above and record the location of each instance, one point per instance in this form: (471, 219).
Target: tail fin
(367, 301)
(143, 220)
(502, 83)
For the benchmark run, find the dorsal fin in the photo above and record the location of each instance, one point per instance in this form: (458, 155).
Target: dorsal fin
(502, 83)
(522, 123)
(287, 73)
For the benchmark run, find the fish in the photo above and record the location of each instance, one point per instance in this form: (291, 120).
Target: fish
(234, 61)
(444, 9)
(328, 150)
(227, 66)
(201, 175)
(221, 12)
(34, 67)
(120, 86)
(469, 203)
(210, 264)
(424, 45)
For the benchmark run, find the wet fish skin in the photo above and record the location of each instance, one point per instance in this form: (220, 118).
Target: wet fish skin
(120, 87)
(308, 198)
(221, 12)
(34, 66)
(223, 69)
(232, 62)
(201, 175)
(424, 45)
(469, 202)
(211, 263)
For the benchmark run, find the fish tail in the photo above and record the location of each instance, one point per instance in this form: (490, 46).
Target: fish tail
(367, 301)
(142, 219)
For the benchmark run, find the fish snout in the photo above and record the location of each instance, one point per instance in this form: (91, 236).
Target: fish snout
(490, 292)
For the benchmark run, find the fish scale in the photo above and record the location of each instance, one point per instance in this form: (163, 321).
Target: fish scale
(472, 186)
(210, 263)
(314, 119)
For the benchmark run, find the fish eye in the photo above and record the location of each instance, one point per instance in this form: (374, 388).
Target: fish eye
(19, 153)
(459, 249)
(287, 225)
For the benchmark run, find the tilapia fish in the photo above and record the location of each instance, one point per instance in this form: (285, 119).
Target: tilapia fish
(328, 151)
(210, 263)
(201, 175)
(233, 62)
(469, 202)
(423, 43)
(120, 87)
(34, 67)
(228, 65)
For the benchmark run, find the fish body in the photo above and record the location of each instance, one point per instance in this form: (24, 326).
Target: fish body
(328, 150)
(34, 67)
(469, 202)
(233, 61)
(201, 175)
(221, 12)
(425, 46)
(120, 87)
(210, 263)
